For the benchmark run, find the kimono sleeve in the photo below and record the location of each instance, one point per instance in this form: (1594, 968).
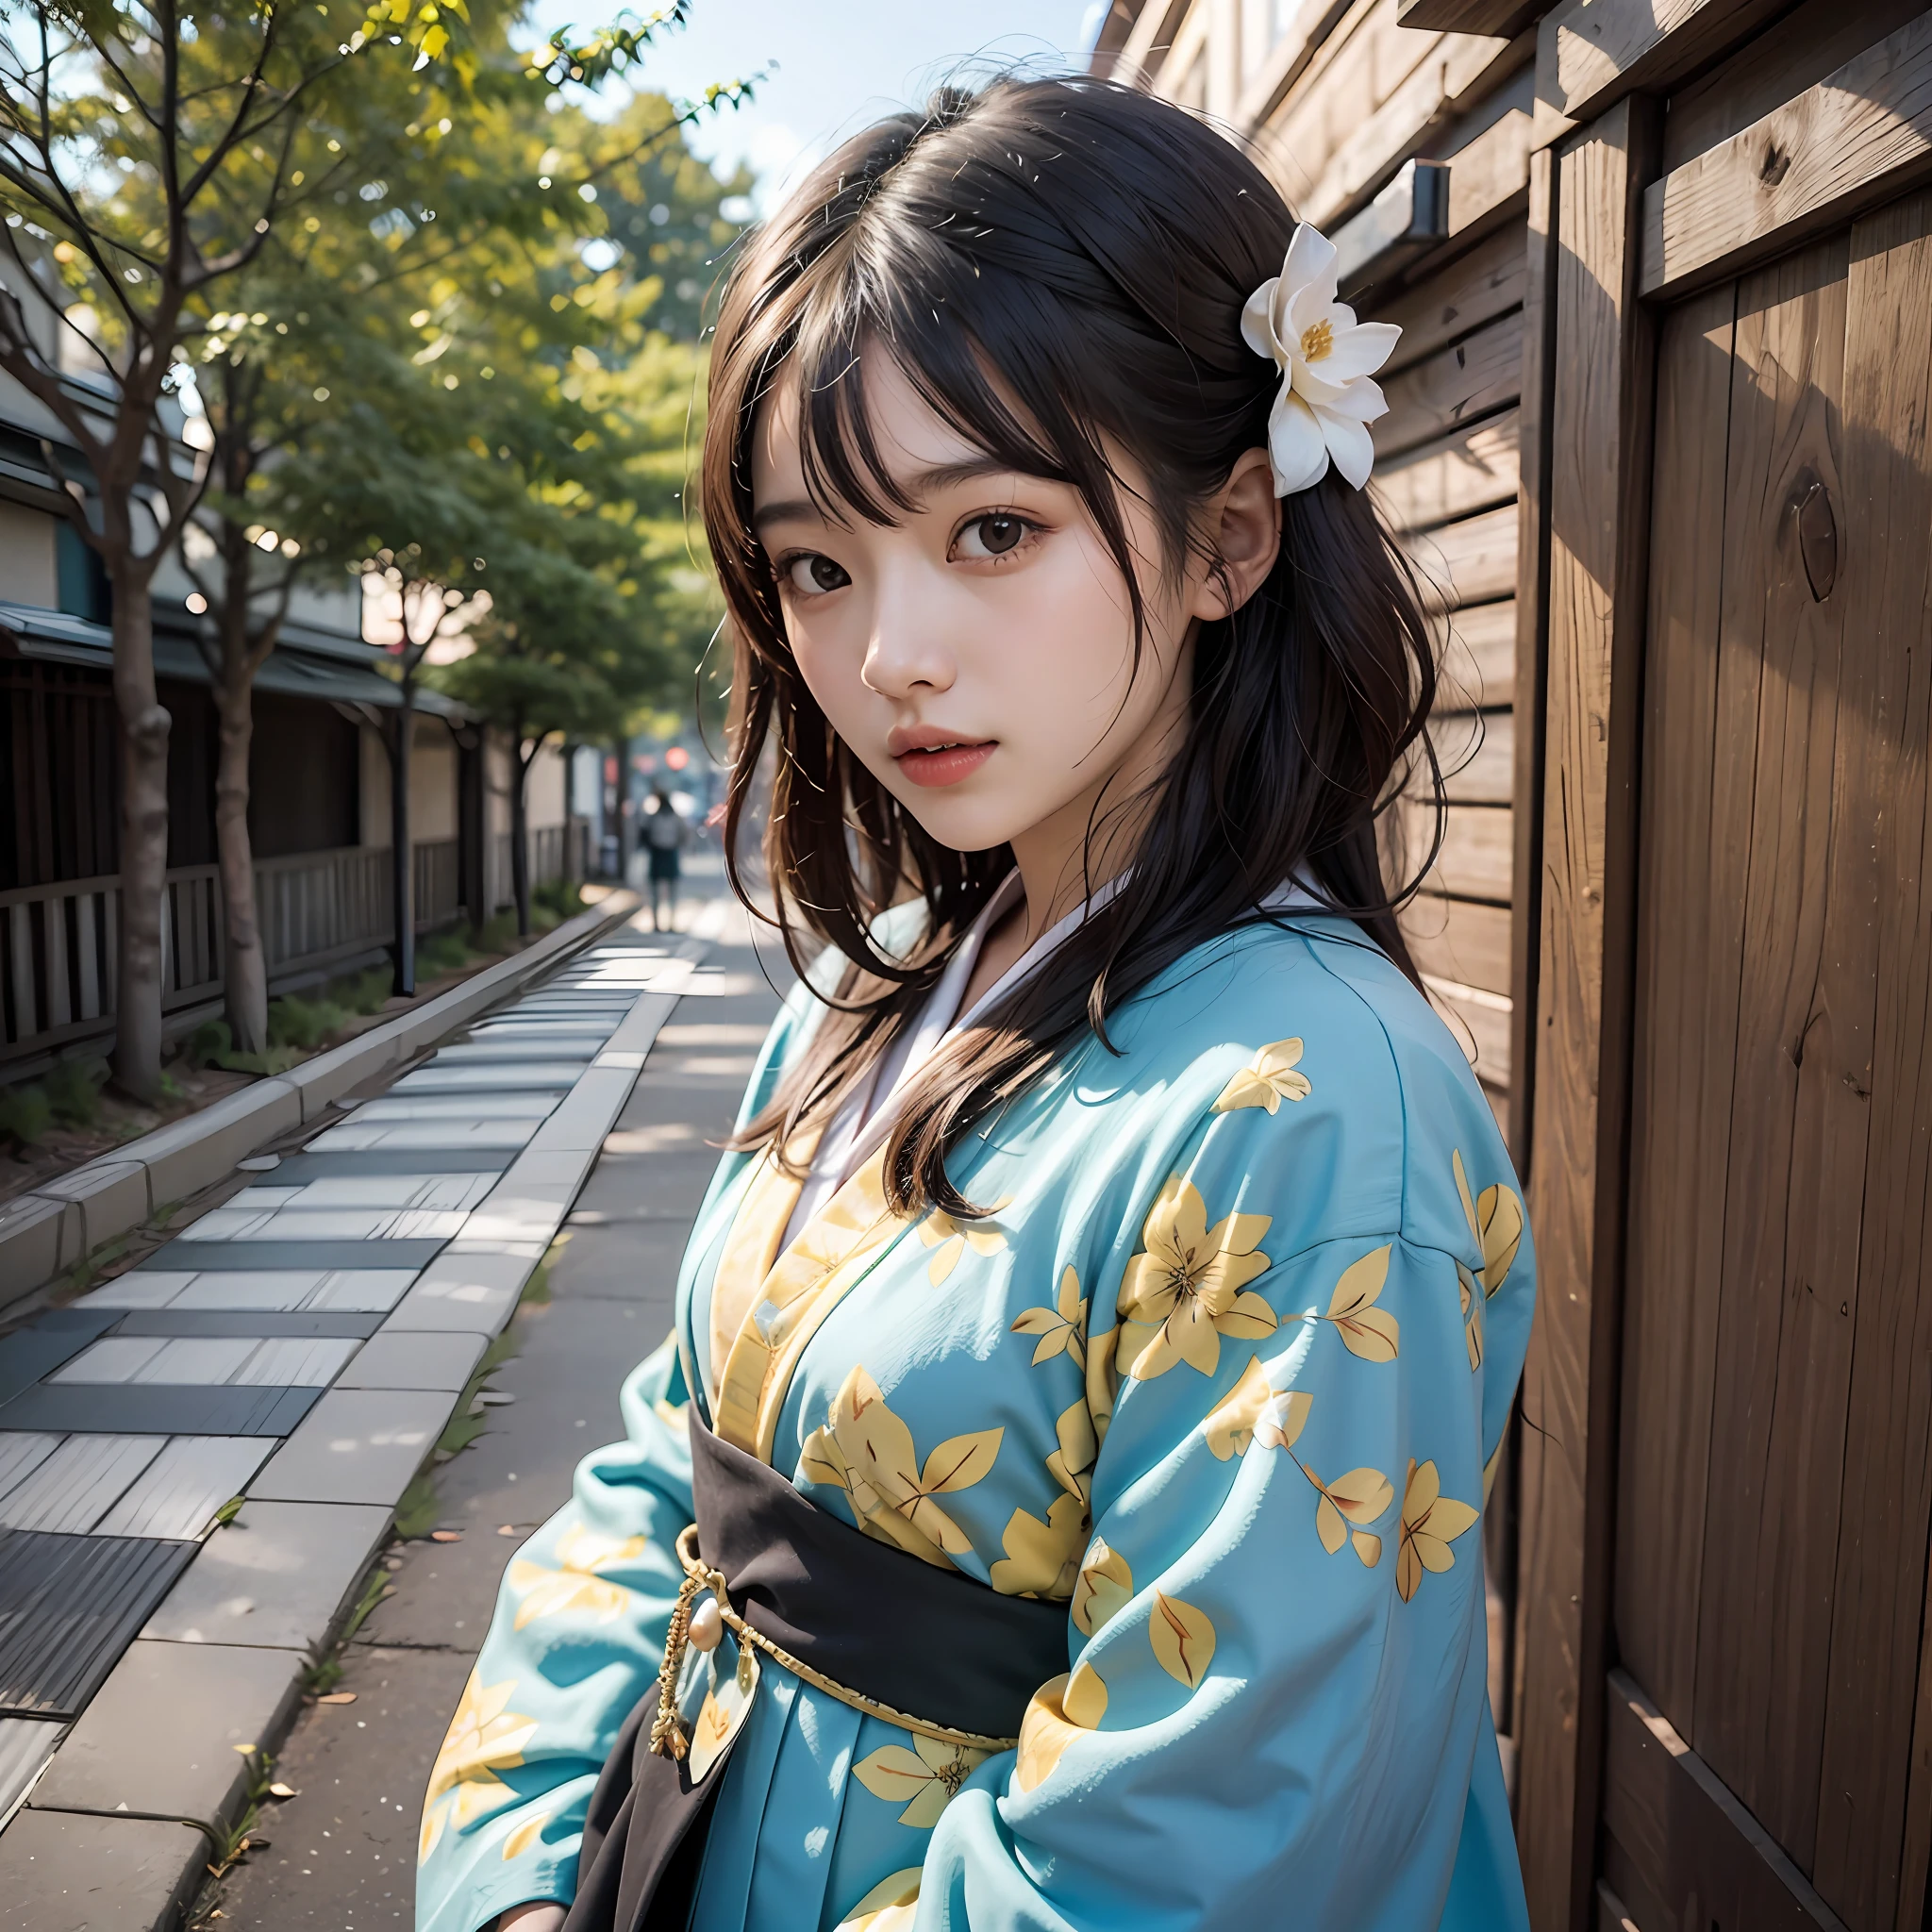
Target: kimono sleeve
(1277, 1694)
(577, 1638)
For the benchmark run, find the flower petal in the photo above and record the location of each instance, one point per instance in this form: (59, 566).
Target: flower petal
(1349, 444)
(1298, 450)
(1360, 350)
(1257, 323)
(1310, 263)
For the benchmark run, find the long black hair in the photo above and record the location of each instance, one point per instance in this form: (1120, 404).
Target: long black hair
(1058, 266)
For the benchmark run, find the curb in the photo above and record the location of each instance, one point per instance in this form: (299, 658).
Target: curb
(116, 1795)
(59, 1225)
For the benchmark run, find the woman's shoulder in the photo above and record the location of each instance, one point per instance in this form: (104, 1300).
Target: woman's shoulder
(1330, 1057)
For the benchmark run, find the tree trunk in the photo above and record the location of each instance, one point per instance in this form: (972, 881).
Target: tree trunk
(519, 833)
(243, 963)
(144, 726)
(621, 800)
(402, 868)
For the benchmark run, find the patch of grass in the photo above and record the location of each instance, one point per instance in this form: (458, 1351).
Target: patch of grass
(231, 1844)
(418, 1507)
(74, 1092)
(563, 897)
(537, 1291)
(293, 1021)
(470, 1418)
(440, 952)
(374, 1588)
(498, 934)
(366, 992)
(25, 1114)
(321, 1675)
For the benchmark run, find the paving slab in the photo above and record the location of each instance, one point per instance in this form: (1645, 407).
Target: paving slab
(470, 1291)
(257, 1321)
(357, 1445)
(63, 1872)
(176, 1495)
(27, 1745)
(482, 1080)
(276, 1577)
(70, 1491)
(423, 1358)
(457, 1109)
(401, 1160)
(160, 1738)
(157, 1408)
(256, 1258)
(42, 1346)
(69, 1604)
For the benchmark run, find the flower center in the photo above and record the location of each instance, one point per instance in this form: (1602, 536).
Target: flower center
(1317, 341)
(952, 1774)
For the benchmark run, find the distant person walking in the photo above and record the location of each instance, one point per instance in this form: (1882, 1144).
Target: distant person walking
(665, 836)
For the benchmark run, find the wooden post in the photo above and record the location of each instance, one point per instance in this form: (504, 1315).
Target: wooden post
(1598, 529)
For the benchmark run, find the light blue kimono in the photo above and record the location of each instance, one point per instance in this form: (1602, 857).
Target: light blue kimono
(1224, 1372)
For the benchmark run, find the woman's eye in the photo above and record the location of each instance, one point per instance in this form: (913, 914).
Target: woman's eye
(994, 535)
(812, 576)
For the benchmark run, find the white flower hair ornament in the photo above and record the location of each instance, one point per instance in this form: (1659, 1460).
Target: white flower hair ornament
(1326, 359)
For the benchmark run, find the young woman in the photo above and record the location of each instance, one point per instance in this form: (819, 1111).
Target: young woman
(1058, 1503)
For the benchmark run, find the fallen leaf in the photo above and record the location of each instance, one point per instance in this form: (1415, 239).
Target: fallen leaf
(337, 1697)
(505, 1529)
(445, 1536)
(279, 1791)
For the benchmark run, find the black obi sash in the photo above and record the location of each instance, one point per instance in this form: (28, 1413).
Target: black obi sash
(929, 1641)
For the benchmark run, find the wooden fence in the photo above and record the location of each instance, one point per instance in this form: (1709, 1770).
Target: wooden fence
(315, 911)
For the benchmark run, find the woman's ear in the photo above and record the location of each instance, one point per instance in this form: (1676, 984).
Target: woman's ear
(1244, 532)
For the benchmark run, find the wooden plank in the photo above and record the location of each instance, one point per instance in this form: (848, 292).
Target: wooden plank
(1717, 1865)
(1455, 940)
(1528, 651)
(1862, 134)
(1471, 561)
(1459, 70)
(1468, 16)
(1591, 53)
(1475, 856)
(1699, 703)
(1814, 39)
(1874, 1821)
(1489, 178)
(1801, 1052)
(1480, 376)
(1600, 423)
(1477, 667)
(1478, 754)
(1472, 469)
(1453, 301)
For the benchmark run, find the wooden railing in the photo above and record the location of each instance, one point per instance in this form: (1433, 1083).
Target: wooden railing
(314, 909)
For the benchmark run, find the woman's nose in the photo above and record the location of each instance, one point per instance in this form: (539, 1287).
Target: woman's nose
(907, 650)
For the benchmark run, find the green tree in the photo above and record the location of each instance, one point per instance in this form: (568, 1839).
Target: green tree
(456, 187)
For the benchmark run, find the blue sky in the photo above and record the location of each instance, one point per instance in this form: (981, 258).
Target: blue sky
(835, 64)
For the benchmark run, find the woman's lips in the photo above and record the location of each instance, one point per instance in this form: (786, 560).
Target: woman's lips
(947, 764)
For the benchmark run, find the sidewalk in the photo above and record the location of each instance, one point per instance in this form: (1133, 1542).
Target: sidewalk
(304, 1345)
(342, 1852)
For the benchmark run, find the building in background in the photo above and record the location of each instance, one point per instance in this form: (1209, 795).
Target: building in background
(1658, 438)
(319, 811)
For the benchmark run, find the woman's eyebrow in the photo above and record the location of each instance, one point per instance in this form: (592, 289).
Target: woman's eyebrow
(921, 484)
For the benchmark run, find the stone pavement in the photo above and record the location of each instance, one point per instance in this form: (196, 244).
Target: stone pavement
(303, 1346)
(342, 1852)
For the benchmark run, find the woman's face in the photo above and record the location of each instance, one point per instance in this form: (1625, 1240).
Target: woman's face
(978, 656)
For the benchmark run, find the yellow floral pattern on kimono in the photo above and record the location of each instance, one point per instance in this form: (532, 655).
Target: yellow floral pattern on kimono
(1222, 1384)
(575, 1587)
(865, 1450)
(1183, 1291)
(925, 1779)
(484, 1737)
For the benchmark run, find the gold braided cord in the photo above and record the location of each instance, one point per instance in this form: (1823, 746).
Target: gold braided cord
(698, 1575)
